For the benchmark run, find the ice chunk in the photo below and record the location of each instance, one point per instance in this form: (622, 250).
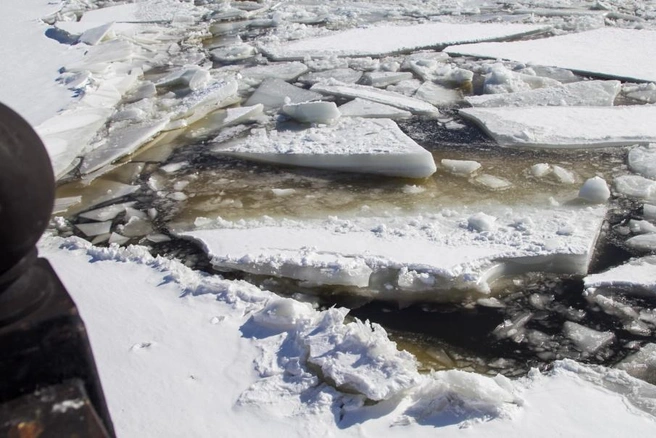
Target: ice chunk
(106, 213)
(382, 79)
(563, 175)
(439, 250)
(95, 228)
(97, 58)
(95, 35)
(345, 75)
(118, 239)
(586, 339)
(146, 11)
(136, 227)
(637, 276)
(105, 96)
(584, 93)
(233, 53)
(493, 182)
(366, 108)
(540, 170)
(608, 52)
(641, 92)
(461, 167)
(481, 222)
(63, 204)
(192, 77)
(284, 314)
(566, 127)
(274, 93)
(642, 364)
(595, 190)
(413, 105)
(286, 71)
(121, 142)
(313, 112)
(352, 144)
(642, 242)
(642, 160)
(649, 212)
(636, 186)
(641, 227)
(381, 40)
(438, 95)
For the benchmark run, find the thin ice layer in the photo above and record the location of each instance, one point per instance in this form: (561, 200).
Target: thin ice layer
(352, 144)
(584, 93)
(566, 127)
(409, 258)
(608, 52)
(382, 40)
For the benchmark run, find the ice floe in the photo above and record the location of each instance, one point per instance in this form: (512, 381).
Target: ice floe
(642, 160)
(460, 167)
(274, 93)
(385, 97)
(368, 109)
(584, 93)
(382, 40)
(607, 52)
(312, 112)
(352, 144)
(566, 127)
(463, 251)
(586, 339)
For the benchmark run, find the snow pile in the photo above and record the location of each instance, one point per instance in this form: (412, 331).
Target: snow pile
(432, 256)
(566, 127)
(352, 144)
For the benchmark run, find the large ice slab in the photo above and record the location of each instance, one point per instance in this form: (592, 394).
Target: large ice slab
(637, 276)
(382, 40)
(642, 160)
(352, 144)
(274, 93)
(584, 93)
(567, 127)
(410, 258)
(385, 97)
(607, 52)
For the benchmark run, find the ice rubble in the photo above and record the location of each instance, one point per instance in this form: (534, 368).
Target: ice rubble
(382, 40)
(457, 250)
(566, 127)
(584, 93)
(351, 144)
(607, 52)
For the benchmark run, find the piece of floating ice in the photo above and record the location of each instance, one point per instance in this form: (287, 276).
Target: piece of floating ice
(492, 182)
(595, 190)
(63, 204)
(460, 167)
(200, 103)
(98, 58)
(641, 227)
(437, 250)
(642, 364)
(642, 160)
(121, 142)
(609, 52)
(566, 127)
(636, 277)
(382, 79)
(586, 339)
(136, 227)
(312, 112)
(397, 100)
(635, 186)
(67, 134)
(274, 93)
(193, 77)
(233, 53)
(642, 242)
(118, 239)
(373, 110)
(382, 40)
(641, 92)
(584, 93)
(115, 190)
(345, 75)
(106, 213)
(438, 95)
(286, 71)
(95, 228)
(501, 80)
(352, 144)
(481, 222)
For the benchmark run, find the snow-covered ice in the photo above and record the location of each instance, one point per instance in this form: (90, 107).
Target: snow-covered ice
(352, 144)
(637, 276)
(608, 52)
(366, 108)
(566, 127)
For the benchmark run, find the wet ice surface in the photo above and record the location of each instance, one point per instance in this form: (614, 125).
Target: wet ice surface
(151, 129)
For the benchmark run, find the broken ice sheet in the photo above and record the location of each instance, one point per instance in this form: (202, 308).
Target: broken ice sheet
(586, 339)
(106, 213)
(642, 160)
(373, 110)
(200, 103)
(352, 144)
(345, 75)
(637, 276)
(285, 71)
(385, 97)
(584, 93)
(608, 52)
(566, 127)
(382, 40)
(98, 58)
(437, 247)
(274, 93)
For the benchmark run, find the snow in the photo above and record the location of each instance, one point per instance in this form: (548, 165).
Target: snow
(585, 93)
(366, 108)
(286, 71)
(636, 186)
(352, 144)
(382, 79)
(460, 167)
(383, 40)
(566, 127)
(627, 54)
(461, 251)
(397, 100)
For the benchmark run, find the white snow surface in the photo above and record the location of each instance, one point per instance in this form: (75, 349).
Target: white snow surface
(185, 354)
(461, 250)
(382, 40)
(566, 127)
(351, 144)
(607, 52)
